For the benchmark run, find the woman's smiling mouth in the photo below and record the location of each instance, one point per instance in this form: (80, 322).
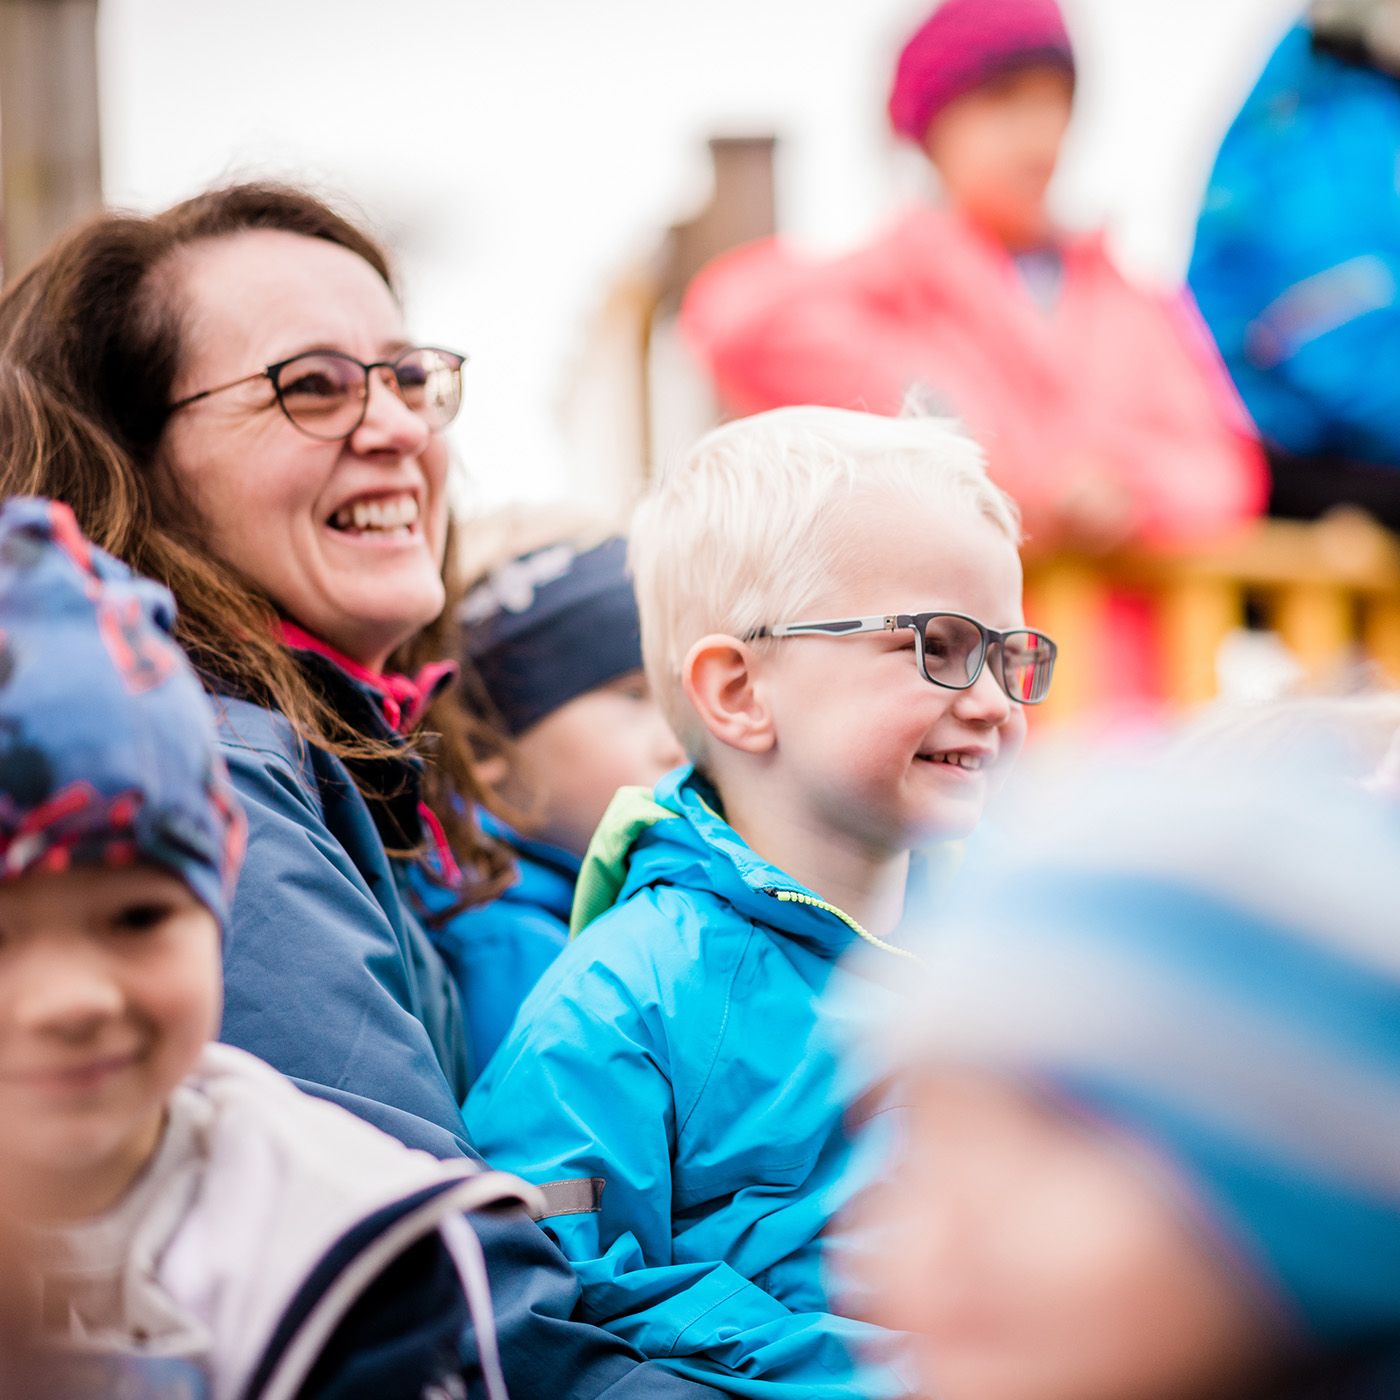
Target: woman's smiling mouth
(395, 515)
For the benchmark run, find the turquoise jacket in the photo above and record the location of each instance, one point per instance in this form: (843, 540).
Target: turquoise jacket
(682, 1053)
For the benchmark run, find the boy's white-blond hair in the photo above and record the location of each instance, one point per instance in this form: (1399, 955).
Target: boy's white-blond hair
(747, 530)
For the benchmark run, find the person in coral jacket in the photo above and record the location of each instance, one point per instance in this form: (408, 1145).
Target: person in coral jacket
(1103, 407)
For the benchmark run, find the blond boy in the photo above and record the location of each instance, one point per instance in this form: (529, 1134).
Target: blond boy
(831, 617)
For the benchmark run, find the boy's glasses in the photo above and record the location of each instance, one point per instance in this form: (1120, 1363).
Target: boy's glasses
(325, 393)
(951, 649)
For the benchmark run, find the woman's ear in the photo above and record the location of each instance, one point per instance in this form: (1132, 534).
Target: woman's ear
(493, 771)
(718, 674)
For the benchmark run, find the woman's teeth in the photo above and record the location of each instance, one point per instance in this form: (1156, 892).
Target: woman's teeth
(388, 513)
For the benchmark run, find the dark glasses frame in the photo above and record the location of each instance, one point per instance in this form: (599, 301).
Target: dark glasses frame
(891, 622)
(273, 373)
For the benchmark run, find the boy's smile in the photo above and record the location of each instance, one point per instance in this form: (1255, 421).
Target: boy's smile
(966, 763)
(969, 760)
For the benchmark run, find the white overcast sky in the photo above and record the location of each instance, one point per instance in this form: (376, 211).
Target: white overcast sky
(520, 151)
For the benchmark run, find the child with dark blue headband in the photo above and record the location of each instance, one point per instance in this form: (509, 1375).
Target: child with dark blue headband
(189, 1223)
(552, 636)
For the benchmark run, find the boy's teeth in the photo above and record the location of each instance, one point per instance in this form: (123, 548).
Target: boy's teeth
(959, 760)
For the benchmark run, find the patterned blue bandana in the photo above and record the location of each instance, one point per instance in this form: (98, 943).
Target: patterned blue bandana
(108, 752)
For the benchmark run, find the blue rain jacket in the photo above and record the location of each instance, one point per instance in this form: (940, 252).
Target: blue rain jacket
(1297, 259)
(497, 951)
(681, 1053)
(330, 978)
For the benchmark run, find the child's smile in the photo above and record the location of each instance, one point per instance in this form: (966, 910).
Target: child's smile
(109, 986)
(76, 1080)
(965, 760)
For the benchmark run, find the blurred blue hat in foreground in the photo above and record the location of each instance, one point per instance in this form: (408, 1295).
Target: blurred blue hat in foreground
(1205, 956)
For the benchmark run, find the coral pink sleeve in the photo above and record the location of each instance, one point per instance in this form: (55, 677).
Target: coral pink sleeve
(772, 330)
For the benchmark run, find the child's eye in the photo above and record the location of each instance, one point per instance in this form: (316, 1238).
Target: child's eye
(142, 918)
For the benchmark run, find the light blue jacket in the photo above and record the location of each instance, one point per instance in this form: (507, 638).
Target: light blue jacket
(1297, 261)
(681, 1051)
(497, 951)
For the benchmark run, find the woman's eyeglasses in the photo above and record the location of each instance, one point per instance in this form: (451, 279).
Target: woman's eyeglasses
(951, 649)
(325, 393)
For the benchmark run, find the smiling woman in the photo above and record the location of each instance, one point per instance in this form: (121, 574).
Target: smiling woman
(276, 498)
(226, 395)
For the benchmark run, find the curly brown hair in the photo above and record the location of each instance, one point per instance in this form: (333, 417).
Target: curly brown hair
(90, 342)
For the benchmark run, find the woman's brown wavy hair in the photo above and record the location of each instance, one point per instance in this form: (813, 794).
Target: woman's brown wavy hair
(90, 341)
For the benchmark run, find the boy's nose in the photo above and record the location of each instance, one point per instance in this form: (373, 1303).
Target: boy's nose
(985, 701)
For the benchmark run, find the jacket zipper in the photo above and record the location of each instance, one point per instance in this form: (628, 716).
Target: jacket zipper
(797, 897)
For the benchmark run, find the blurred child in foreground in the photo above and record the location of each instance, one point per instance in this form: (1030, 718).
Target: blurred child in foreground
(554, 654)
(1102, 406)
(831, 619)
(189, 1224)
(1154, 1071)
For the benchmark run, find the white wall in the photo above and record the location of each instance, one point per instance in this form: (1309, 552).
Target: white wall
(518, 151)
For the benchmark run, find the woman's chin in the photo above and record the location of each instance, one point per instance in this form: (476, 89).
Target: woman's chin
(372, 621)
(403, 591)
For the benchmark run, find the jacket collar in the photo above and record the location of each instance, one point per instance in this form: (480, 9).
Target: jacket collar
(402, 699)
(676, 835)
(392, 785)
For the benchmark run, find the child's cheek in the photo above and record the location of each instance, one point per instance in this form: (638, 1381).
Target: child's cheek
(188, 993)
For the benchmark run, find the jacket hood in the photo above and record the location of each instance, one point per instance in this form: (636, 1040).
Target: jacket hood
(676, 836)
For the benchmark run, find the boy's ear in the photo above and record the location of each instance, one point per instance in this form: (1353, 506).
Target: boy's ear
(719, 680)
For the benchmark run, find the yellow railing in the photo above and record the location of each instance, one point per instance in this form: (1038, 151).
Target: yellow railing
(1331, 591)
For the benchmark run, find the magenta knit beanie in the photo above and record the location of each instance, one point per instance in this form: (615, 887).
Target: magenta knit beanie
(964, 43)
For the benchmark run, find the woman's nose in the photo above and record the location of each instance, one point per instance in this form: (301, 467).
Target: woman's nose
(389, 423)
